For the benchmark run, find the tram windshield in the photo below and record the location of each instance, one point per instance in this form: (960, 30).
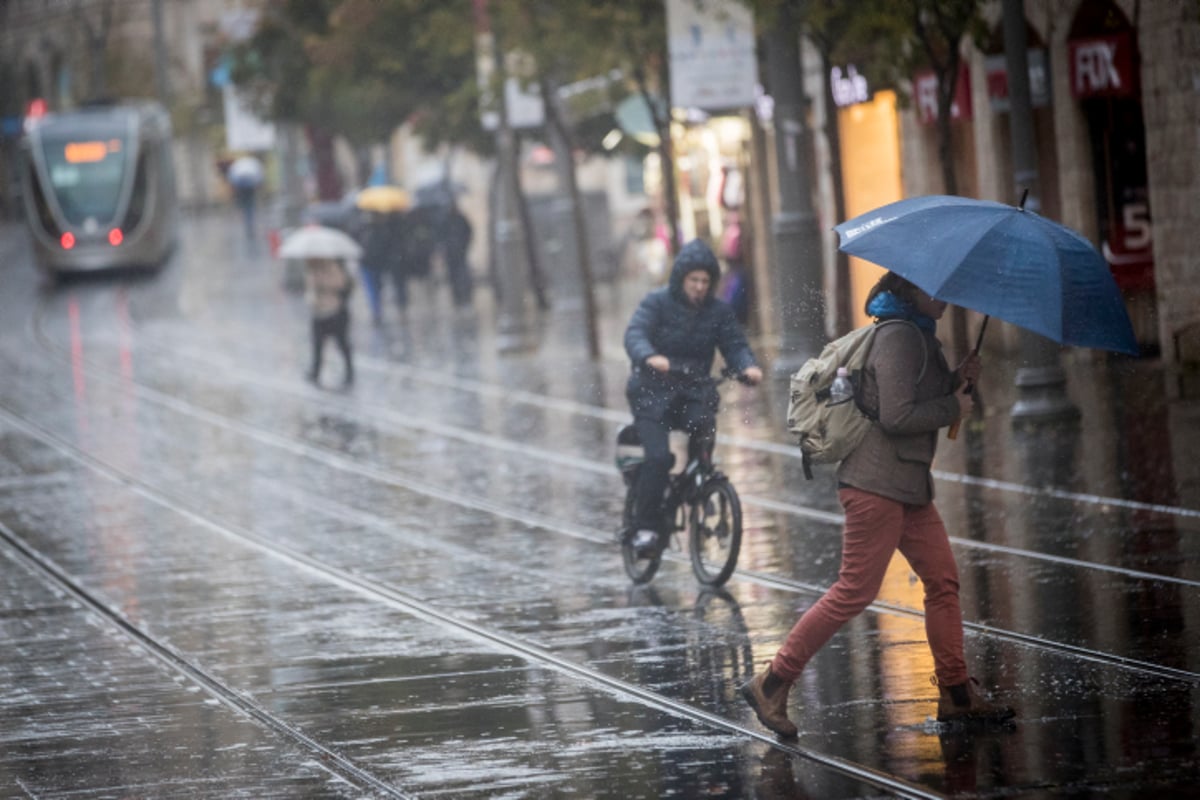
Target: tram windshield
(86, 173)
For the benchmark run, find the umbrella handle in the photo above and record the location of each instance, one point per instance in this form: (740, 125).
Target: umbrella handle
(952, 433)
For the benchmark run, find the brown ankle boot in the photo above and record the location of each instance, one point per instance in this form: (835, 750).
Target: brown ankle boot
(962, 702)
(771, 708)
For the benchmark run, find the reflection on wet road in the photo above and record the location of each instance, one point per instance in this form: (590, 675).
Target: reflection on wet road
(415, 588)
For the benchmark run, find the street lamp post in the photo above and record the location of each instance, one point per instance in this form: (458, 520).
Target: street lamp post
(1041, 381)
(796, 252)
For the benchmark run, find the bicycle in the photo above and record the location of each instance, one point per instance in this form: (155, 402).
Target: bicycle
(700, 501)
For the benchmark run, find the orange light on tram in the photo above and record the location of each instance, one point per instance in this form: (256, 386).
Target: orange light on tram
(85, 152)
(67, 240)
(115, 237)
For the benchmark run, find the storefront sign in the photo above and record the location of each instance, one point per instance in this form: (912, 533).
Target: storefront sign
(997, 80)
(848, 86)
(713, 62)
(925, 89)
(1103, 66)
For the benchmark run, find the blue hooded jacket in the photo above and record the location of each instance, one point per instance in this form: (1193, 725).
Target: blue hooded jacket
(666, 324)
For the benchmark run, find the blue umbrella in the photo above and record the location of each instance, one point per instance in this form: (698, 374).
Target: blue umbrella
(999, 260)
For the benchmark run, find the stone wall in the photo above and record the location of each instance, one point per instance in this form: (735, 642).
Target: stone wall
(1169, 39)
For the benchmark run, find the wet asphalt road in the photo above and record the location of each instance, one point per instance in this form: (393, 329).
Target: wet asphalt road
(217, 580)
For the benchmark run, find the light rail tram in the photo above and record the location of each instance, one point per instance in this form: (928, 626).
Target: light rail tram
(100, 187)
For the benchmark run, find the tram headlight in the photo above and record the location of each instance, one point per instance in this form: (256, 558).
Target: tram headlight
(67, 240)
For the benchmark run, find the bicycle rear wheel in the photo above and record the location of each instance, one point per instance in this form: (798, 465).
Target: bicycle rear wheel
(640, 567)
(715, 532)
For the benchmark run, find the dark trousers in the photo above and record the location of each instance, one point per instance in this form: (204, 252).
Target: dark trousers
(460, 277)
(336, 327)
(695, 417)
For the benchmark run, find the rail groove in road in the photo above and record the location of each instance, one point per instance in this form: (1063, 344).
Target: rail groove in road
(54, 575)
(392, 477)
(472, 385)
(378, 592)
(411, 422)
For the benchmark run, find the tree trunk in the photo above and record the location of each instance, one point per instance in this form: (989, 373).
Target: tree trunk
(537, 275)
(843, 310)
(947, 86)
(666, 155)
(583, 250)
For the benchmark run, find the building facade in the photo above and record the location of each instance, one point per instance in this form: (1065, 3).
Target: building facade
(1116, 96)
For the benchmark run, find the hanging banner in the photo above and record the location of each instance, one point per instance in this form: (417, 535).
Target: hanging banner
(711, 45)
(245, 131)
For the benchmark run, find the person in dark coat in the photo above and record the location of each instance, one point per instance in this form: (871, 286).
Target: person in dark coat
(672, 340)
(379, 243)
(456, 239)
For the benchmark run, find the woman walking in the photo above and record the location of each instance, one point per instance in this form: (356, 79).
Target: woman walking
(886, 489)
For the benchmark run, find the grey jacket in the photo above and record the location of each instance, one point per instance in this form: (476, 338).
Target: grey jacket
(895, 457)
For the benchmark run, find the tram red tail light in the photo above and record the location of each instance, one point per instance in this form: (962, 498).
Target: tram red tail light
(115, 237)
(67, 240)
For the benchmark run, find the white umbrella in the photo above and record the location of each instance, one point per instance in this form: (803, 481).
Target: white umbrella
(246, 171)
(317, 241)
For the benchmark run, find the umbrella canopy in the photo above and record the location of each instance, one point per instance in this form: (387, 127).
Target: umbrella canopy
(317, 241)
(384, 199)
(246, 171)
(999, 260)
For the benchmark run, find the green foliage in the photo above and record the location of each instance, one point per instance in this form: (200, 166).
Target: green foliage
(363, 67)
(582, 40)
(886, 40)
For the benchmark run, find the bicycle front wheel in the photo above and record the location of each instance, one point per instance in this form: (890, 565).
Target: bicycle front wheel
(715, 532)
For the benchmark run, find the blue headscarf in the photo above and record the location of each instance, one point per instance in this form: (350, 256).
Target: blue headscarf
(886, 305)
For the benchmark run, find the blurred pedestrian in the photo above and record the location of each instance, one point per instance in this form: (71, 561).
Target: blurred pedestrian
(245, 176)
(418, 232)
(886, 489)
(735, 287)
(328, 285)
(456, 239)
(379, 243)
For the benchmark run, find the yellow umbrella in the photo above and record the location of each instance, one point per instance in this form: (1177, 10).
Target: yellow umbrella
(382, 198)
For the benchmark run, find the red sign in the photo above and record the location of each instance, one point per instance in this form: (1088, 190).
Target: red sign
(1103, 66)
(925, 89)
(1129, 248)
(997, 80)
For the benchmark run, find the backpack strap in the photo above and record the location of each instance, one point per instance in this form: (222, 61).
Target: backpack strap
(920, 335)
(874, 417)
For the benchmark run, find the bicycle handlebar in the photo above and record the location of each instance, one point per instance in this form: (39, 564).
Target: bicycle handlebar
(724, 375)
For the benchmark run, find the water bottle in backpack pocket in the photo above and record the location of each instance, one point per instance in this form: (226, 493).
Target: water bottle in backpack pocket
(827, 426)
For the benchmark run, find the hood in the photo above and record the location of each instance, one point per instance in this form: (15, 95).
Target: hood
(693, 256)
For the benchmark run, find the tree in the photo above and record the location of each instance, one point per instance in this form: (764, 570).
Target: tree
(361, 68)
(574, 40)
(96, 27)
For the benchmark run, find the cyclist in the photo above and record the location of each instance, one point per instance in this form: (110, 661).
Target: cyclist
(671, 341)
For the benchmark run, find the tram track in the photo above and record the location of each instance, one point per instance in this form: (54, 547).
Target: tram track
(390, 476)
(377, 592)
(434, 615)
(53, 575)
(605, 469)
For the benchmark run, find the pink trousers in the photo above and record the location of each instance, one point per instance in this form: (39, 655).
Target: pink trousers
(875, 528)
